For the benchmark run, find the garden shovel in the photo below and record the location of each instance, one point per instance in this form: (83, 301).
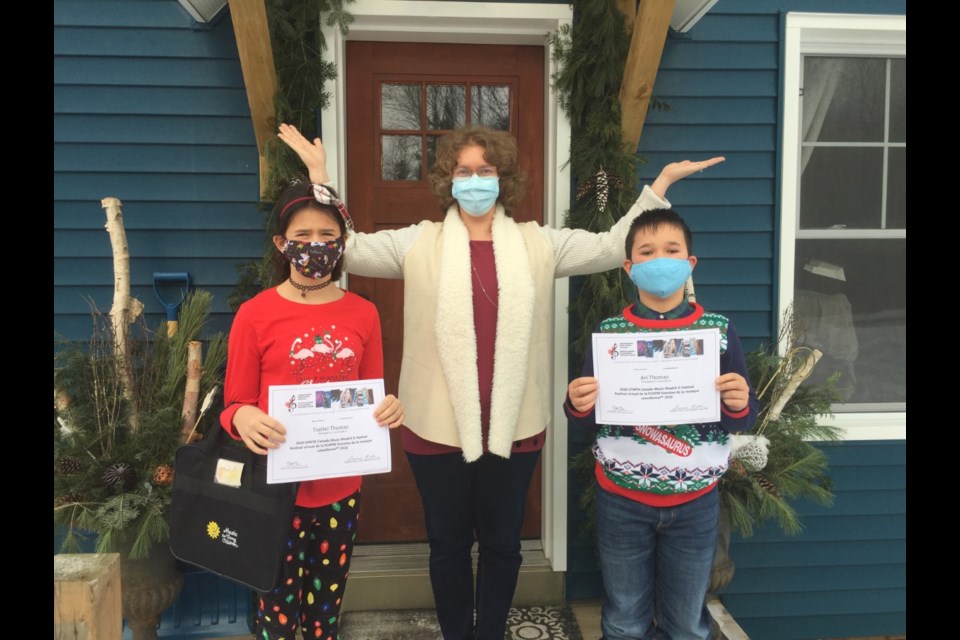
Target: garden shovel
(165, 282)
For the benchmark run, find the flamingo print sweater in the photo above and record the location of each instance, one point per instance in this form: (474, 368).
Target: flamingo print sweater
(276, 341)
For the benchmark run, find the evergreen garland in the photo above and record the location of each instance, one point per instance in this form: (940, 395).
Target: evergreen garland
(591, 55)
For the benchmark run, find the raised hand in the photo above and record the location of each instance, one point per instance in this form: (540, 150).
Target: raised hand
(312, 154)
(679, 170)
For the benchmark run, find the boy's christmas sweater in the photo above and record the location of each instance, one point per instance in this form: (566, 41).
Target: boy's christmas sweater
(667, 465)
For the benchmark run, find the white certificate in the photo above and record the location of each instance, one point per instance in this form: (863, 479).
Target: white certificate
(657, 378)
(331, 432)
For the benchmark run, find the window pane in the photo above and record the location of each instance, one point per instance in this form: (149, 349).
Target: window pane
(400, 107)
(843, 99)
(490, 106)
(431, 150)
(841, 188)
(859, 322)
(897, 189)
(446, 106)
(898, 100)
(400, 159)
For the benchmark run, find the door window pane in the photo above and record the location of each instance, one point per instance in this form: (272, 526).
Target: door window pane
(446, 106)
(400, 157)
(432, 150)
(490, 106)
(400, 107)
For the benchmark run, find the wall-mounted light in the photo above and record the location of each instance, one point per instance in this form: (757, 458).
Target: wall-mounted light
(686, 13)
(207, 10)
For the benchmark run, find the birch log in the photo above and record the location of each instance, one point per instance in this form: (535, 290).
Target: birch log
(191, 394)
(802, 373)
(61, 402)
(125, 309)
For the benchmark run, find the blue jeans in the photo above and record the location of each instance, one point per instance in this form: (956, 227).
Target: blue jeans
(656, 567)
(459, 498)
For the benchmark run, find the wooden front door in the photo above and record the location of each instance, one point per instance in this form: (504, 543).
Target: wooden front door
(401, 97)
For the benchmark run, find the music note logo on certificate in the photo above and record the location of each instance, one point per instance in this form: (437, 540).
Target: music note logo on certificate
(657, 378)
(331, 431)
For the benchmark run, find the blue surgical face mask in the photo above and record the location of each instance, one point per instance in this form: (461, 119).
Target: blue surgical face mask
(476, 195)
(661, 276)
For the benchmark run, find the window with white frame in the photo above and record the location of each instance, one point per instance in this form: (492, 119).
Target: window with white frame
(844, 212)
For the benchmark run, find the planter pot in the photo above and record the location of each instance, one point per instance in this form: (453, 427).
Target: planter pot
(149, 586)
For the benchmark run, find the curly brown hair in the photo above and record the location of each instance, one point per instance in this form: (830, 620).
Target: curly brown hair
(499, 149)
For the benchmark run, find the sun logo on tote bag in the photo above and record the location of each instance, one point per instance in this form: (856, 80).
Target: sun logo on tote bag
(213, 530)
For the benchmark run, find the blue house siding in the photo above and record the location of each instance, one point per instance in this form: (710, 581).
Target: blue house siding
(149, 107)
(844, 575)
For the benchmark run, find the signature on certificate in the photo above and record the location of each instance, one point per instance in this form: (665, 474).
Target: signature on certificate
(293, 464)
(367, 458)
(618, 409)
(692, 407)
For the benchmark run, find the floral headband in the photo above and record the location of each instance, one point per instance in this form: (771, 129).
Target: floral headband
(324, 196)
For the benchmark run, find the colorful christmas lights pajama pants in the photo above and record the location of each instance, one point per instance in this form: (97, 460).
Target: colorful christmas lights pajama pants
(316, 562)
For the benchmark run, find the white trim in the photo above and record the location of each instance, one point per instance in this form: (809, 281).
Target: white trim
(836, 34)
(851, 234)
(870, 426)
(480, 23)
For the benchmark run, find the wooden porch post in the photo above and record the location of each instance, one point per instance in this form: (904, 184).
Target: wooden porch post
(259, 75)
(640, 69)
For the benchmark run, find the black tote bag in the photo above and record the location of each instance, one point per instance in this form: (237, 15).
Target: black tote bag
(235, 532)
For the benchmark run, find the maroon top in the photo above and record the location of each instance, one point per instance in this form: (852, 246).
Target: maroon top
(485, 300)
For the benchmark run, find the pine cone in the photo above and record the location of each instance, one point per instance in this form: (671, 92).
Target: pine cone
(584, 189)
(603, 190)
(737, 467)
(163, 476)
(68, 465)
(767, 486)
(119, 477)
(67, 498)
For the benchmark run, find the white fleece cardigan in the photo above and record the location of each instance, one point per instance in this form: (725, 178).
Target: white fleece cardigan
(438, 375)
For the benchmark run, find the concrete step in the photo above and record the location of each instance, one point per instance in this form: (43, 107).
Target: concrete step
(396, 576)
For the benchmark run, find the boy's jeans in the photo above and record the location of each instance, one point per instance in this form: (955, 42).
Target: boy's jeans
(656, 567)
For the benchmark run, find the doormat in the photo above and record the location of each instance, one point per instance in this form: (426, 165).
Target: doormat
(525, 623)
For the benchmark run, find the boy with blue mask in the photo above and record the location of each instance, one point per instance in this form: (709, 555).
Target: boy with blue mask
(657, 503)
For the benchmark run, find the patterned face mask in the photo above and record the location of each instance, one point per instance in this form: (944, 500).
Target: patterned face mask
(314, 259)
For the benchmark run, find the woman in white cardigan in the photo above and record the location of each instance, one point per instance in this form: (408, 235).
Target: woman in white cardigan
(478, 290)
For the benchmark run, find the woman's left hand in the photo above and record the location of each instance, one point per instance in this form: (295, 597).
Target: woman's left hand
(679, 170)
(390, 412)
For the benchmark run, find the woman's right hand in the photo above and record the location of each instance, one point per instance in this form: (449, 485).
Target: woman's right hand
(583, 394)
(258, 430)
(312, 154)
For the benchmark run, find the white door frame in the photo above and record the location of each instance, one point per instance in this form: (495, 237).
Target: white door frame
(481, 23)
